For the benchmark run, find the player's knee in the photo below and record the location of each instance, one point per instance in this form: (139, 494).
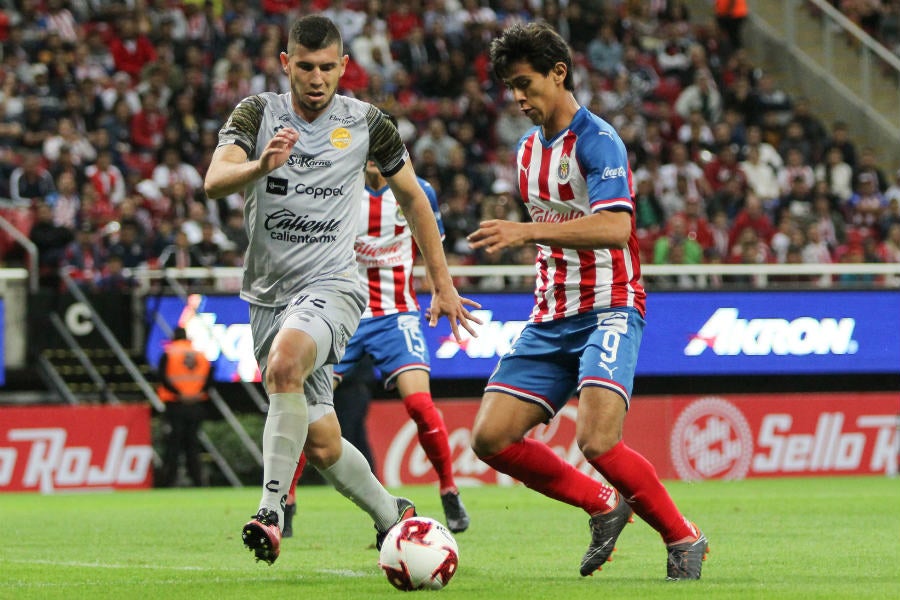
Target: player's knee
(283, 375)
(597, 444)
(486, 443)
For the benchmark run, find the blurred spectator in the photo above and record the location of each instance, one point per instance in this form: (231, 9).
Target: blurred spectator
(723, 168)
(864, 207)
(130, 49)
(752, 216)
(412, 53)
(30, 183)
(65, 202)
(271, 77)
(207, 250)
(795, 139)
(836, 174)
(813, 129)
(797, 201)
(84, 256)
(695, 222)
(605, 52)
(783, 238)
(702, 96)
(227, 92)
(114, 277)
(643, 78)
(511, 125)
(829, 221)
(106, 178)
(840, 138)
(38, 122)
(649, 215)
(127, 245)
(234, 230)
(720, 232)
(172, 168)
(121, 91)
(691, 252)
(67, 136)
(402, 21)
(459, 221)
(893, 191)
(773, 99)
(889, 249)
(762, 177)
(148, 124)
(730, 16)
(680, 163)
(795, 168)
(59, 20)
(436, 139)
(51, 241)
(816, 251)
(372, 50)
(868, 163)
(349, 21)
(181, 254)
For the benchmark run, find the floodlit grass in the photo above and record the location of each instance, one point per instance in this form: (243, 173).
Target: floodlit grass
(778, 538)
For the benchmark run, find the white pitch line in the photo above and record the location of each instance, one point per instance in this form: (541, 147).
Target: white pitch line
(96, 565)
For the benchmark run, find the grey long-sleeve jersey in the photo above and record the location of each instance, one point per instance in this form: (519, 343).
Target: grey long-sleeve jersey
(302, 217)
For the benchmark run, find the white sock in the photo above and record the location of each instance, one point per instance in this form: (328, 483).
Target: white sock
(353, 478)
(284, 436)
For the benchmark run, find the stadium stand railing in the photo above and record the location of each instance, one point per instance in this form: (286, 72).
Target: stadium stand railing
(833, 61)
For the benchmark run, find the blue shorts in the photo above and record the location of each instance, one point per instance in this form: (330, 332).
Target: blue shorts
(395, 343)
(551, 361)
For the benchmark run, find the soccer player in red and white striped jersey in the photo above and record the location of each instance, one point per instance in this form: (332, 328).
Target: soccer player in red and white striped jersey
(585, 329)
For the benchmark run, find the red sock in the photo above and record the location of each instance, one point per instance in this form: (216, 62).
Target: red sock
(432, 436)
(635, 477)
(292, 493)
(540, 468)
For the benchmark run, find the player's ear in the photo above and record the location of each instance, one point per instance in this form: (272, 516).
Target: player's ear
(559, 72)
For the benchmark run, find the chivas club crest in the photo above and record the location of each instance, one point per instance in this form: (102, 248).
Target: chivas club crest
(562, 173)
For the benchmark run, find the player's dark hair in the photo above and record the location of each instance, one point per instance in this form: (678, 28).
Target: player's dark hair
(535, 43)
(314, 32)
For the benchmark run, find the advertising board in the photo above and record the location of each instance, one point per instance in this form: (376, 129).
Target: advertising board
(688, 333)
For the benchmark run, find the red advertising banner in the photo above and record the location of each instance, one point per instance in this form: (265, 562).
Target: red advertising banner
(685, 437)
(48, 449)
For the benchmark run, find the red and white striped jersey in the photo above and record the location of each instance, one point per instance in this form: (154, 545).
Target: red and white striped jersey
(584, 169)
(386, 251)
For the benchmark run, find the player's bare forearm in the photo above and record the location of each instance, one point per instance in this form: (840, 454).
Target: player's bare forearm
(226, 175)
(230, 171)
(602, 230)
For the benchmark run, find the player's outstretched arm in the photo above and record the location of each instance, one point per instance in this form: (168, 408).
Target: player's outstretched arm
(445, 300)
(605, 229)
(230, 171)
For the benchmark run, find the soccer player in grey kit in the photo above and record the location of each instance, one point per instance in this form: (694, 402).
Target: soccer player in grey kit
(299, 159)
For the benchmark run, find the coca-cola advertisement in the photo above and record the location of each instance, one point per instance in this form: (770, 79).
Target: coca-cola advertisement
(51, 449)
(685, 437)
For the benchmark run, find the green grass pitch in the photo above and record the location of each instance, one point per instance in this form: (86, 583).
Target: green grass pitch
(772, 538)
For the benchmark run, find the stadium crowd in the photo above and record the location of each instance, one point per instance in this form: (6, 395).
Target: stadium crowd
(109, 114)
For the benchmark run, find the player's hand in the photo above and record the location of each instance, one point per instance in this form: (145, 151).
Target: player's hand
(451, 305)
(278, 150)
(495, 235)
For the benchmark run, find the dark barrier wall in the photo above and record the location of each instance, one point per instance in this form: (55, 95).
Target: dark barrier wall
(113, 308)
(688, 333)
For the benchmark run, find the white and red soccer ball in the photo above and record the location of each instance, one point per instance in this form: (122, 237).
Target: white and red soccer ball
(419, 554)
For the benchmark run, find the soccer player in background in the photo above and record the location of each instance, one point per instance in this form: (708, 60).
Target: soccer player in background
(298, 158)
(390, 330)
(585, 329)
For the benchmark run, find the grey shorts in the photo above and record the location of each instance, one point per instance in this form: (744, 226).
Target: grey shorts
(328, 312)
